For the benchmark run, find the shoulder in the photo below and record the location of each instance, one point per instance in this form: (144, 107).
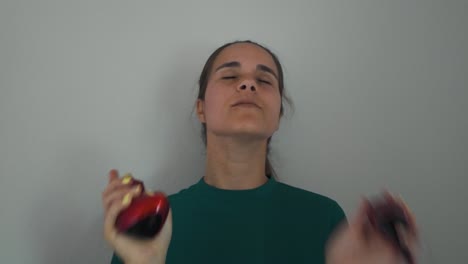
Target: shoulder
(183, 194)
(299, 198)
(304, 195)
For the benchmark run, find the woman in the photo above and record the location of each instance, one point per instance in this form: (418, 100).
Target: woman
(238, 212)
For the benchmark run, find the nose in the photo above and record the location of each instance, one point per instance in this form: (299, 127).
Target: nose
(246, 84)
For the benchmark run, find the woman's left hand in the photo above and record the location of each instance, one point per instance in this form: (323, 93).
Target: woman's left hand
(359, 243)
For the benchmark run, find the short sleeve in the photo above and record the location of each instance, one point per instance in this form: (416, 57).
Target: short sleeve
(337, 217)
(116, 259)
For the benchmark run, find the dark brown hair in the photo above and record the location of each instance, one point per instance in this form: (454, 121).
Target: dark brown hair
(203, 83)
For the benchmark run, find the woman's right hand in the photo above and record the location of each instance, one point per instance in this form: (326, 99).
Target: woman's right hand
(357, 242)
(131, 250)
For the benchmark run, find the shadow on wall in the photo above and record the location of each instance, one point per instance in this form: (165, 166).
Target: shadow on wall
(67, 222)
(183, 162)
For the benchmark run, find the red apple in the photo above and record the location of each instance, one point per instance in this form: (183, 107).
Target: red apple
(146, 214)
(388, 217)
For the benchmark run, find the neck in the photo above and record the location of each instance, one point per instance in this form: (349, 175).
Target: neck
(234, 164)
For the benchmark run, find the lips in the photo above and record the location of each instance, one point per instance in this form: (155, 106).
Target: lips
(245, 102)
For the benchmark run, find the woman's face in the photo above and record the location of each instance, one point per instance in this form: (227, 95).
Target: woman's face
(246, 73)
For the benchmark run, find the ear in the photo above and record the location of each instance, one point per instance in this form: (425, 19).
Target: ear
(201, 110)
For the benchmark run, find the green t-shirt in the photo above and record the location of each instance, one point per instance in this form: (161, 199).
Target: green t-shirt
(273, 223)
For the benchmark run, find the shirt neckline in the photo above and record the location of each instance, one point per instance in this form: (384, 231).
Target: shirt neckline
(259, 191)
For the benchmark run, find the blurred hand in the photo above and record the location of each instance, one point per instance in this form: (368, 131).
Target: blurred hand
(359, 243)
(116, 197)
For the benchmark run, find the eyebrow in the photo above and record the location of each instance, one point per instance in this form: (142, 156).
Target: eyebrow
(236, 64)
(265, 68)
(231, 64)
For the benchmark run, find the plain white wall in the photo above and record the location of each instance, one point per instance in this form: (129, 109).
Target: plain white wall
(380, 89)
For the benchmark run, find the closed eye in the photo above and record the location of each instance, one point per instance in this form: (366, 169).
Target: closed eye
(228, 77)
(264, 81)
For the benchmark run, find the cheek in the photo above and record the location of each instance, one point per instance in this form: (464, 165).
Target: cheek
(276, 106)
(214, 101)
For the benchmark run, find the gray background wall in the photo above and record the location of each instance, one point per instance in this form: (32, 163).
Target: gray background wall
(380, 89)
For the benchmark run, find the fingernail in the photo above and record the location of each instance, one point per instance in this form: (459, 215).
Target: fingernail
(404, 204)
(401, 198)
(137, 189)
(127, 178)
(126, 200)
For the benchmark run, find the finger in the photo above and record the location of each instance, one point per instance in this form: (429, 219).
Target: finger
(113, 178)
(167, 227)
(111, 214)
(163, 238)
(113, 174)
(388, 196)
(361, 217)
(110, 232)
(119, 194)
(408, 235)
(360, 222)
(117, 183)
(409, 215)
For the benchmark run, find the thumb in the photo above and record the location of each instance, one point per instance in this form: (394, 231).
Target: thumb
(166, 231)
(361, 215)
(360, 221)
(113, 174)
(163, 239)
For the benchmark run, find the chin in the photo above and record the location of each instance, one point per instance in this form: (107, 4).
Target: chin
(251, 133)
(250, 130)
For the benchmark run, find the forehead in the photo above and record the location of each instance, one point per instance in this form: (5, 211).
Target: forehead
(247, 54)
